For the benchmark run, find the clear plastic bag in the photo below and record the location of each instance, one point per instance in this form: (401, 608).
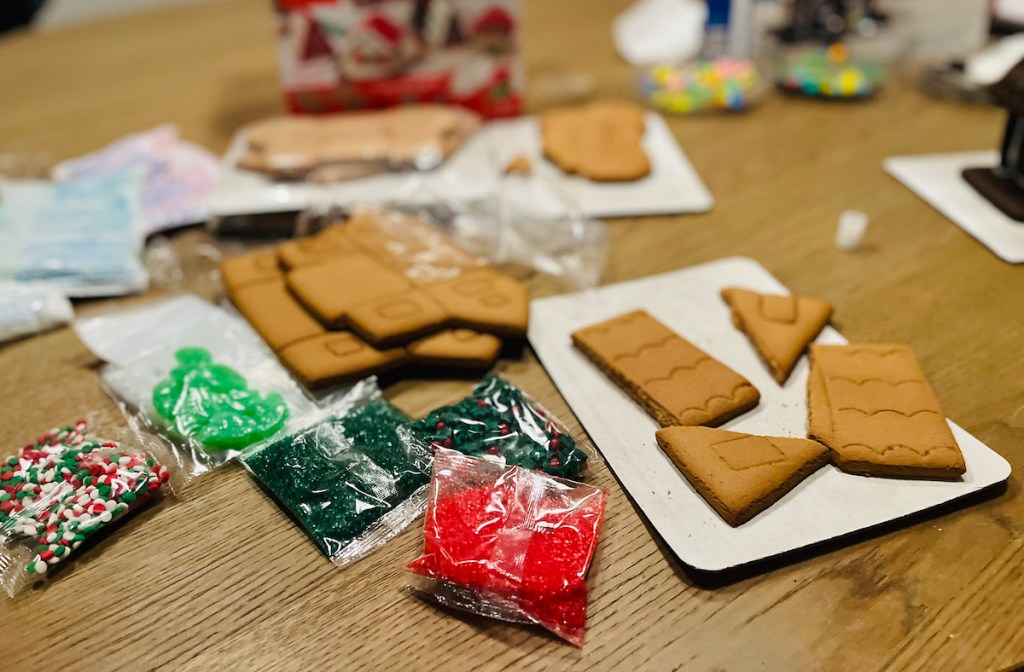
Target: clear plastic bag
(198, 377)
(347, 479)
(499, 422)
(29, 309)
(63, 489)
(509, 543)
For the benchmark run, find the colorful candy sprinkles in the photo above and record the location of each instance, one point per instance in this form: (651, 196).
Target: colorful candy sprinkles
(722, 84)
(66, 487)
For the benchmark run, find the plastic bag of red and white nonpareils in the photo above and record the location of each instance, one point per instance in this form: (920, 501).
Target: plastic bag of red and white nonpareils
(509, 543)
(62, 489)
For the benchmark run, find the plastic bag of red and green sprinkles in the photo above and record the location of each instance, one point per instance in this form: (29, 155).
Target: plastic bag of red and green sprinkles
(348, 480)
(498, 421)
(61, 490)
(509, 543)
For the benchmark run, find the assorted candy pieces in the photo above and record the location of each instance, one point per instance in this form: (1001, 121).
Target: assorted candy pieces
(498, 420)
(213, 404)
(828, 72)
(725, 84)
(519, 541)
(345, 476)
(67, 486)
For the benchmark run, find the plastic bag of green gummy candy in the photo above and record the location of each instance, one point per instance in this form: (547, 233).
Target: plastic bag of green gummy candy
(198, 378)
(346, 477)
(498, 421)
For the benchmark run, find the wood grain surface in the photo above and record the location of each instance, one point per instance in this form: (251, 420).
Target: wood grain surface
(220, 579)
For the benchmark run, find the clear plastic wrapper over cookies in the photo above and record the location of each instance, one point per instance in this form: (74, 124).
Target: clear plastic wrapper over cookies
(509, 543)
(61, 490)
(346, 478)
(197, 377)
(499, 422)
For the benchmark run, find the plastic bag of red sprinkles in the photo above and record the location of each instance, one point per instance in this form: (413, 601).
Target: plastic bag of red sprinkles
(509, 543)
(61, 490)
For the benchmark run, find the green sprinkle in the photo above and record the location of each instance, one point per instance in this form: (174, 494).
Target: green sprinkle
(340, 477)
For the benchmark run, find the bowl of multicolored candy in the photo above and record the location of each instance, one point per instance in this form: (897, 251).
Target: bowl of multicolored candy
(721, 84)
(828, 72)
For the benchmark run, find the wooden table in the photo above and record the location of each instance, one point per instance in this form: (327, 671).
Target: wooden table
(220, 579)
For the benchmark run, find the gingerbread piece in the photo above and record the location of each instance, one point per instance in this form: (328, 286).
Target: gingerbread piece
(873, 407)
(397, 318)
(485, 300)
(780, 327)
(461, 348)
(335, 357)
(601, 140)
(249, 268)
(392, 290)
(327, 245)
(676, 382)
(740, 475)
(356, 144)
(329, 290)
(275, 314)
(409, 244)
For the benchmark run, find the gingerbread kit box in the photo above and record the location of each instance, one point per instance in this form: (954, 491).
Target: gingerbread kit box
(341, 55)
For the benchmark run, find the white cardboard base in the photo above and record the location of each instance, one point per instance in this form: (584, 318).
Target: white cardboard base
(827, 505)
(475, 172)
(936, 178)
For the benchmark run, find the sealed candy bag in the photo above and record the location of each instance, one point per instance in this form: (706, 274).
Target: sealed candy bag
(61, 490)
(510, 543)
(498, 421)
(348, 480)
(213, 403)
(196, 376)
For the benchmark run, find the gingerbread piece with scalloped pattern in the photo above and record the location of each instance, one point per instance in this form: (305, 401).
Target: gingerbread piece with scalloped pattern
(676, 382)
(875, 410)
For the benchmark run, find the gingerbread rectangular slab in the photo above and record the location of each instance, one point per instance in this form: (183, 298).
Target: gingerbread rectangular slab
(829, 504)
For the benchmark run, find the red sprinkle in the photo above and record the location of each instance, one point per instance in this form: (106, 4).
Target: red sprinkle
(440, 425)
(463, 529)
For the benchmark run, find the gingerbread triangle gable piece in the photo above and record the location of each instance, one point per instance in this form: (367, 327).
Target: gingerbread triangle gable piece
(740, 475)
(780, 327)
(873, 407)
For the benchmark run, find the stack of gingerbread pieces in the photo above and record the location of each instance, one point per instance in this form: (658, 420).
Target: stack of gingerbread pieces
(382, 290)
(871, 410)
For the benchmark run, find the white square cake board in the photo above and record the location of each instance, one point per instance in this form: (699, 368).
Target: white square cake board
(936, 178)
(475, 172)
(826, 505)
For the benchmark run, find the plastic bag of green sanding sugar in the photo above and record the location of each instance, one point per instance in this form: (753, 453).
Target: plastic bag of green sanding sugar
(60, 491)
(499, 422)
(347, 479)
(196, 376)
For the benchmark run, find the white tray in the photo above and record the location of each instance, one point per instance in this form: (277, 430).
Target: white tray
(826, 505)
(475, 172)
(937, 179)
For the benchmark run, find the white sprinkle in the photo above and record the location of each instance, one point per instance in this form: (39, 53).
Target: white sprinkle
(68, 536)
(40, 567)
(111, 505)
(105, 517)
